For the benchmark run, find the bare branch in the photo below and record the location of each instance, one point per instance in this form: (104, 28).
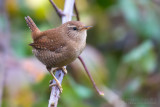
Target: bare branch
(55, 90)
(59, 12)
(76, 11)
(68, 11)
(90, 77)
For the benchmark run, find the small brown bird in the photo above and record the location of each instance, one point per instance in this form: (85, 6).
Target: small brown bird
(60, 46)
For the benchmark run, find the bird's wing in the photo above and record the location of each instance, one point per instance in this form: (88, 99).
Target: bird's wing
(45, 43)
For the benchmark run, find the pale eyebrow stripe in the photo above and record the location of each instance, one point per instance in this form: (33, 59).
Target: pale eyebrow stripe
(71, 26)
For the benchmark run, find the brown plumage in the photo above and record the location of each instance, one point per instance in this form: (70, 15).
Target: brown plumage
(59, 46)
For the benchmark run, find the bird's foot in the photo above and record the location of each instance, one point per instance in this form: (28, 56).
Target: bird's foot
(64, 70)
(55, 84)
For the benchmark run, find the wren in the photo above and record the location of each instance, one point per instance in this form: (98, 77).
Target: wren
(59, 46)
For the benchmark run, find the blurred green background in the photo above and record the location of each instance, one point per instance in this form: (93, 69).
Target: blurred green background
(123, 54)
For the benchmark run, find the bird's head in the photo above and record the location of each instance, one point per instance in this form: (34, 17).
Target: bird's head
(76, 30)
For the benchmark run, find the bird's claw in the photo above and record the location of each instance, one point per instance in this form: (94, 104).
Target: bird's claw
(59, 86)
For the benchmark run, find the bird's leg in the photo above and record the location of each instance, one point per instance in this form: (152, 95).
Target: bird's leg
(57, 82)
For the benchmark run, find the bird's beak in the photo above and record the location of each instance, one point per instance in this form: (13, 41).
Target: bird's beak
(86, 27)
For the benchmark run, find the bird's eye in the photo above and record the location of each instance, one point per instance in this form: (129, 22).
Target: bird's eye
(74, 28)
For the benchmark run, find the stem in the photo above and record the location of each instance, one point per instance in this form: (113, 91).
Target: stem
(68, 11)
(54, 96)
(76, 11)
(90, 77)
(59, 12)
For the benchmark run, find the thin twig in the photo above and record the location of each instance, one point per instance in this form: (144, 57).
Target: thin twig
(90, 77)
(76, 11)
(68, 11)
(59, 12)
(85, 67)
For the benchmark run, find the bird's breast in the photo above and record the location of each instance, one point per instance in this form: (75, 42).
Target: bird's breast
(79, 47)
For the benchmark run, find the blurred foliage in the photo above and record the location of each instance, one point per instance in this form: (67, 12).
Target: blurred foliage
(126, 36)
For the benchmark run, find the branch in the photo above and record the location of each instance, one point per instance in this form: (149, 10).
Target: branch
(68, 11)
(76, 11)
(90, 77)
(59, 12)
(53, 101)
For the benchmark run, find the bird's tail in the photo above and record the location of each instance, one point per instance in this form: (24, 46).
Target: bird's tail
(32, 26)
